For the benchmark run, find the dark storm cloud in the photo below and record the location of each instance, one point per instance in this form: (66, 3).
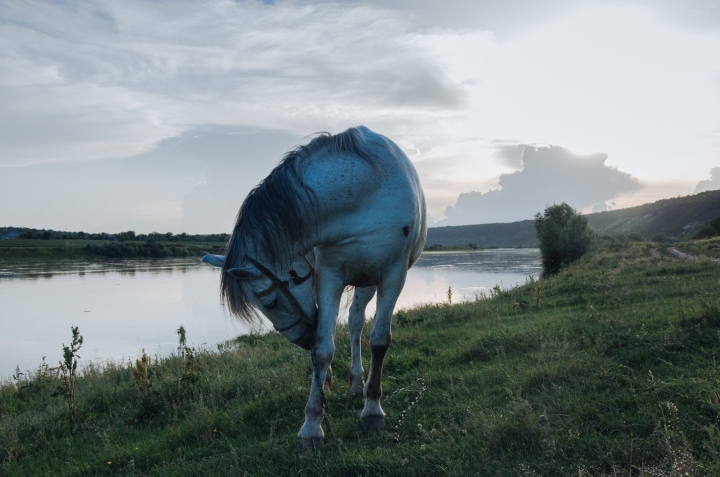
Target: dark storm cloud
(549, 175)
(712, 184)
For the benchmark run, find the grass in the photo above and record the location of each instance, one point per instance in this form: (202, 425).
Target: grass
(614, 373)
(709, 247)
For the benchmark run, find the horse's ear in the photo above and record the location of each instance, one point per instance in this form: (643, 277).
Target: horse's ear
(246, 272)
(214, 260)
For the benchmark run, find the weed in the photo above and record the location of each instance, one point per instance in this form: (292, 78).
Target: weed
(140, 374)
(521, 303)
(68, 373)
(536, 295)
(190, 372)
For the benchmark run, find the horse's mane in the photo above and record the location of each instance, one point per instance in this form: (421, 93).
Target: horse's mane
(279, 211)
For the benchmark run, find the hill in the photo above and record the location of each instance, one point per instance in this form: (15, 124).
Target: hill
(677, 218)
(513, 234)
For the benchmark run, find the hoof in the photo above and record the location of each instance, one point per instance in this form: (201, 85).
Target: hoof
(372, 423)
(309, 445)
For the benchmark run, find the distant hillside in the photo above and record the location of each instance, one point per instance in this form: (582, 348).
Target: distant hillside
(679, 217)
(676, 218)
(513, 234)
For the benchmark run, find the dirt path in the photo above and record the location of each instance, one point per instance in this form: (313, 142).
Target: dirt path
(682, 255)
(677, 253)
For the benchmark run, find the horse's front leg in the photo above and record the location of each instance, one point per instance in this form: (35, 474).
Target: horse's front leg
(372, 415)
(356, 323)
(323, 350)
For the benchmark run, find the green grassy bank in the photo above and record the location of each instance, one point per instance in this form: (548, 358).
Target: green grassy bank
(35, 248)
(609, 368)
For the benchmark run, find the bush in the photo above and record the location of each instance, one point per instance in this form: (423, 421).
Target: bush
(711, 230)
(635, 237)
(660, 238)
(563, 235)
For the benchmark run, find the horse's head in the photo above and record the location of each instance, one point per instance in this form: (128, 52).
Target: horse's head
(285, 297)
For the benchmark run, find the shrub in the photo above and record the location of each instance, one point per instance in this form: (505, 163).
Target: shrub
(660, 238)
(711, 230)
(563, 235)
(635, 237)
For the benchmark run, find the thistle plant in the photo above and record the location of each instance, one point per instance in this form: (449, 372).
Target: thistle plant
(536, 295)
(68, 372)
(189, 374)
(140, 374)
(150, 405)
(449, 295)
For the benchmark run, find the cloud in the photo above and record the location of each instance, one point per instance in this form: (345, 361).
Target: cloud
(511, 17)
(242, 159)
(191, 183)
(510, 152)
(82, 80)
(549, 175)
(105, 81)
(504, 18)
(712, 184)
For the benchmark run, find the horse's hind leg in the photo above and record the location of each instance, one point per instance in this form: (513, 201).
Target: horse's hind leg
(372, 415)
(356, 323)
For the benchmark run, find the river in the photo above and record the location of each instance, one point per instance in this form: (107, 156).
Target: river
(123, 307)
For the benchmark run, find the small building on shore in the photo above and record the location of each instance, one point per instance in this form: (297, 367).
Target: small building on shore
(10, 235)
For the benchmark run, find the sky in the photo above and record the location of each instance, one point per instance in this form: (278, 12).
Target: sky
(161, 116)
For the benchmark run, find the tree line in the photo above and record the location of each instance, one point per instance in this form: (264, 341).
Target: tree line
(128, 236)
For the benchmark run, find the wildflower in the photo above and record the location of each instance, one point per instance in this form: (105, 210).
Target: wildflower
(215, 430)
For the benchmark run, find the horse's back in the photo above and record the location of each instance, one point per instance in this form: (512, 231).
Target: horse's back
(372, 205)
(347, 181)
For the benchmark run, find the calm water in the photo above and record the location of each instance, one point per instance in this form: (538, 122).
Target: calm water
(122, 307)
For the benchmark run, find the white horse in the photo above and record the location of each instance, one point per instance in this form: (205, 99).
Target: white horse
(346, 210)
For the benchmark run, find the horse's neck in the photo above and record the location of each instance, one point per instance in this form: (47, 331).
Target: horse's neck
(294, 260)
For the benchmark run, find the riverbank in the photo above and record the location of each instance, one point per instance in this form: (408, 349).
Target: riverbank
(609, 368)
(33, 248)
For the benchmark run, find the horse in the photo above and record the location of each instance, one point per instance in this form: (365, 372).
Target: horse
(344, 210)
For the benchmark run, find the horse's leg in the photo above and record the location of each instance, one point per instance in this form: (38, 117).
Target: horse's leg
(330, 291)
(372, 415)
(356, 323)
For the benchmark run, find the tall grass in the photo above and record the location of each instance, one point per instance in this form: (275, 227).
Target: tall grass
(612, 370)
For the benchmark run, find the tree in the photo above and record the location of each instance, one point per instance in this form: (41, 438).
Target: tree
(711, 230)
(563, 235)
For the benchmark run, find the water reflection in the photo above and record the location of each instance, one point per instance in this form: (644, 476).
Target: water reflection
(123, 306)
